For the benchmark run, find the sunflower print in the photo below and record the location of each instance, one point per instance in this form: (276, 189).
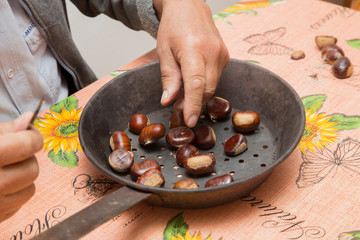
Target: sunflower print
(189, 237)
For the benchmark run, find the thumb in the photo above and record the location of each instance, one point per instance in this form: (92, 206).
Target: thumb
(17, 124)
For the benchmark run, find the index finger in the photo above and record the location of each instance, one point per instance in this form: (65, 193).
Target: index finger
(193, 72)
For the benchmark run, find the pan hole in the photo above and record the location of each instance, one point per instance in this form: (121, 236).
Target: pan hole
(179, 176)
(213, 173)
(263, 165)
(257, 130)
(134, 149)
(241, 161)
(256, 155)
(163, 148)
(232, 173)
(226, 159)
(226, 129)
(161, 166)
(175, 167)
(265, 147)
(202, 116)
(142, 157)
(159, 156)
(166, 115)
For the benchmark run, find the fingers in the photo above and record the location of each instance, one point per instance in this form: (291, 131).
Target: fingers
(17, 146)
(18, 176)
(18, 124)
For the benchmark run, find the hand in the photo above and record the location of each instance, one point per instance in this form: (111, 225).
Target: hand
(192, 55)
(18, 165)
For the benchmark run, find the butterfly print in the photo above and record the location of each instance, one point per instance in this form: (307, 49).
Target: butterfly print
(324, 163)
(265, 43)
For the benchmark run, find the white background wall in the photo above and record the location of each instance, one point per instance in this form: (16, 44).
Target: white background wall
(107, 44)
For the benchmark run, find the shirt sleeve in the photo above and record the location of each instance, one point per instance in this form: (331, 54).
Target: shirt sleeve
(135, 14)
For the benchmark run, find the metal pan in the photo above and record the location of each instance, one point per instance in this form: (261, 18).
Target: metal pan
(245, 85)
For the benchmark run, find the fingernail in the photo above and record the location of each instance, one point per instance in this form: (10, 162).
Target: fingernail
(192, 121)
(164, 96)
(22, 121)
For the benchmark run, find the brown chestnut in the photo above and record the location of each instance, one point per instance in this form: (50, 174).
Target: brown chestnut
(186, 183)
(140, 167)
(185, 151)
(137, 122)
(151, 134)
(152, 177)
(297, 55)
(177, 119)
(120, 139)
(177, 137)
(220, 180)
(331, 56)
(322, 41)
(246, 121)
(205, 137)
(218, 108)
(200, 164)
(235, 145)
(342, 68)
(331, 47)
(121, 160)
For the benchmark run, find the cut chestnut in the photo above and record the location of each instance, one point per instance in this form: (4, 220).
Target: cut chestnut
(246, 121)
(137, 122)
(151, 134)
(322, 41)
(177, 119)
(342, 68)
(200, 164)
(121, 160)
(152, 177)
(185, 151)
(140, 167)
(205, 137)
(186, 183)
(235, 145)
(218, 108)
(220, 180)
(177, 137)
(297, 55)
(120, 139)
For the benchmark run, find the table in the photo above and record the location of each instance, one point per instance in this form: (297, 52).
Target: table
(312, 195)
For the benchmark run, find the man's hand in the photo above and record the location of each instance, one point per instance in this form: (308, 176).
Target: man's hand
(192, 55)
(18, 165)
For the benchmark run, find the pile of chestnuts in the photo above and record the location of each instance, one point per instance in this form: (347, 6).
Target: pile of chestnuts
(335, 56)
(185, 142)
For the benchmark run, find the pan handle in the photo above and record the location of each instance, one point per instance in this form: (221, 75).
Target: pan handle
(94, 215)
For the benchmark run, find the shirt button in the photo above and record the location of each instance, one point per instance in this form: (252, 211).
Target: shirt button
(10, 73)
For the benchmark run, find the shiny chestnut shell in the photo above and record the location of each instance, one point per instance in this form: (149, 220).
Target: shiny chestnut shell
(297, 55)
(187, 183)
(121, 160)
(200, 164)
(140, 167)
(323, 40)
(120, 139)
(246, 121)
(331, 47)
(152, 177)
(185, 151)
(218, 108)
(137, 122)
(205, 137)
(177, 119)
(220, 180)
(177, 137)
(151, 134)
(342, 68)
(235, 145)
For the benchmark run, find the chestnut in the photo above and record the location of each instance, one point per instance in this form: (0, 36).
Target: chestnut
(220, 180)
(218, 108)
(120, 139)
(331, 47)
(205, 137)
(187, 183)
(140, 167)
(246, 121)
(342, 68)
(185, 151)
(235, 145)
(297, 55)
(176, 137)
(151, 134)
(331, 56)
(121, 160)
(200, 164)
(152, 177)
(322, 41)
(137, 122)
(177, 119)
